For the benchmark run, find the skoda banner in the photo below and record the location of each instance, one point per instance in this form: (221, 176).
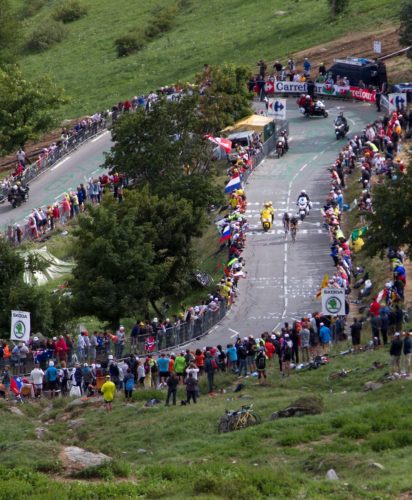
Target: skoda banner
(20, 326)
(333, 302)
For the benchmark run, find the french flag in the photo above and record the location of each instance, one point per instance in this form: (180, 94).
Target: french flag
(233, 184)
(226, 234)
(15, 385)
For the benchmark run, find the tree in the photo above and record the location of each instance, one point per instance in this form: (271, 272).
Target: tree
(26, 107)
(336, 7)
(144, 254)
(15, 294)
(405, 32)
(225, 98)
(390, 225)
(165, 150)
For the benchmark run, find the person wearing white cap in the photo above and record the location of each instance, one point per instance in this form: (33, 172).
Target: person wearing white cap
(51, 378)
(395, 351)
(121, 340)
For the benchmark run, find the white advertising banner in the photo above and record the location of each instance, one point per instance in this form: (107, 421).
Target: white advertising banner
(277, 108)
(333, 302)
(20, 326)
(396, 101)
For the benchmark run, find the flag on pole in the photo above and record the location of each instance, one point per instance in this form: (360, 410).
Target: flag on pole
(357, 233)
(15, 385)
(225, 234)
(323, 285)
(233, 184)
(225, 144)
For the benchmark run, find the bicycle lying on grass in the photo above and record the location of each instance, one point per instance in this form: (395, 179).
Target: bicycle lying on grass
(239, 419)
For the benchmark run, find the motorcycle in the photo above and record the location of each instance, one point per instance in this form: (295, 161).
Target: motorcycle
(303, 207)
(280, 147)
(317, 110)
(266, 224)
(341, 129)
(16, 198)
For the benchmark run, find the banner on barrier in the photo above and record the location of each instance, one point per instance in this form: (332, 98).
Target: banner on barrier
(277, 108)
(396, 100)
(333, 301)
(283, 87)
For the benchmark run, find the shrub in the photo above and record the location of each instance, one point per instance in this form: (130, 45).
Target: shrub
(69, 11)
(32, 7)
(128, 44)
(355, 430)
(46, 35)
(161, 22)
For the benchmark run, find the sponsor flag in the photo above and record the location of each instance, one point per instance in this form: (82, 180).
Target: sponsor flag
(225, 234)
(357, 233)
(225, 144)
(323, 285)
(15, 385)
(233, 184)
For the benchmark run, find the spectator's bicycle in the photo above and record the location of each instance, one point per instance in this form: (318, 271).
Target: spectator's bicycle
(239, 419)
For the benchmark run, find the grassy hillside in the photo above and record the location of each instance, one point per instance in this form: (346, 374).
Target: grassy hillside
(176, 452)
(85, 63)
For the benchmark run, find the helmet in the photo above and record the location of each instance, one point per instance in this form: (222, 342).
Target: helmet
(18, 183)
(15, 186)
(303, 191)
(308, 96)
(266, 204)
(270, 203)
(341, 113)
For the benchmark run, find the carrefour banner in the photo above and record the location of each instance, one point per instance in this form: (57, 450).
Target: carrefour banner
(321, 89)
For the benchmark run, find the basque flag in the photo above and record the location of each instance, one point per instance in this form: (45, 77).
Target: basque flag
(15, 385)
(225, 234)
(233, 184)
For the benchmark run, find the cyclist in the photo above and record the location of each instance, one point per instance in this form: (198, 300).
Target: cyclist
(286, 221)
(293, 224)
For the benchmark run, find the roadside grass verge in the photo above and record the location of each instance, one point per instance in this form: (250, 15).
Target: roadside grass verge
(177, 451)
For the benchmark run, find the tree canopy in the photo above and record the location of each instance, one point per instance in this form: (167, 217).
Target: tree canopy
(16, 294)
(390, 225)
(405, 31)
(132, 254)
(26, 107)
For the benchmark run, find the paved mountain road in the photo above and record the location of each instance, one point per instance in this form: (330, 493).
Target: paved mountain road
(65, 175)
(282, 277)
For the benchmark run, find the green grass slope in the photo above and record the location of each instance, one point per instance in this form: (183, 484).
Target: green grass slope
(85, 63)
(176, 452)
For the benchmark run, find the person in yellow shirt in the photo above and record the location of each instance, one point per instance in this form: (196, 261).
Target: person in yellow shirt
(272, 210)
(266, 215)
(108, 390)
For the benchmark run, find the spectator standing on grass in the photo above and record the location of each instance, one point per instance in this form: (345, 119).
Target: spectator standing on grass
(307, 66)
(51, 378)
(108, 390)
(172, 382)
(180, 366)
(355, 332)
(36, 376)
(287, 352)
(304, 335)
(325, 337)
(191, 388)
(128, 382)
(407, 351)
(261, 365)
(210, 367)
(395, 352)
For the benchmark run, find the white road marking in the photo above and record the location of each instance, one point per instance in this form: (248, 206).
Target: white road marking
(60, 163)
(234, 332)
(100, 136)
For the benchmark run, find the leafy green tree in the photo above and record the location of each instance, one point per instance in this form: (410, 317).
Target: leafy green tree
(26, 107)
(405, 32)
(391, 222)
(225, 98)
(165, 150)
(144, 254)
(15, 294)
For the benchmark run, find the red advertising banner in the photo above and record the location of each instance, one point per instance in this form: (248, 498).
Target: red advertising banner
(363, 94)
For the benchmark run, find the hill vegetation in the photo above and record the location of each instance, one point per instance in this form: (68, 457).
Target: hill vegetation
(176, 452)
(170, 41)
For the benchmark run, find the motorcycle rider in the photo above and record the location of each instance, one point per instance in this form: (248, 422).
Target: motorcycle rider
(271, 210)
(340, 119)
(283, 138)
(303, 194)
(266, 212)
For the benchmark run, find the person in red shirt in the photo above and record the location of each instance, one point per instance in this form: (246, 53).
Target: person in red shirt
(61, 349)
(374, 308)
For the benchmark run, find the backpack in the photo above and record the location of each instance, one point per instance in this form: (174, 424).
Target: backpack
(261, 362)
(214, 364)
(129, 384)
(287, 349)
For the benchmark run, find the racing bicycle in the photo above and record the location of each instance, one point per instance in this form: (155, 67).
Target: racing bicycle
(239, 419)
